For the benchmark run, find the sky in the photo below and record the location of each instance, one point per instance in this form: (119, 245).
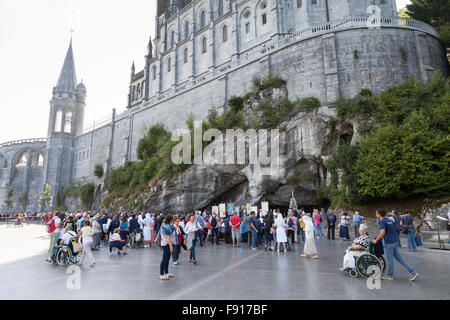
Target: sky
(108, 35)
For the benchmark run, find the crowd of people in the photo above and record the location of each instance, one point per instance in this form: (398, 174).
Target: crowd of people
(273, 231)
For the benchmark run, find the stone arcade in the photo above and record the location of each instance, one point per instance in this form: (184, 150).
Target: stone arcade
(204, 52)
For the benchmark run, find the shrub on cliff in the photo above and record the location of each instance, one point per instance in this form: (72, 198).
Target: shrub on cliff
(405, 150)
(83, 191)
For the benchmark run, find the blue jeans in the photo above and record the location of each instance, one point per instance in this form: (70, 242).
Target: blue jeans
(356, 228)
(411, 236)
(319, 232)
(199, 234)
(391, 251)
(192, 250)
(164, 267)
(254, 238)
(302, 234)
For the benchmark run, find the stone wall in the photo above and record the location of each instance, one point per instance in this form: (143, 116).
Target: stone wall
(27, 176)
(325, 67)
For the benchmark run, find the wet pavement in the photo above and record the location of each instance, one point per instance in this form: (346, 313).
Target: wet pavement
(223, 272)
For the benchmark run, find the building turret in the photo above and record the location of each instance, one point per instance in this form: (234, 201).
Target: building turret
(65, 123)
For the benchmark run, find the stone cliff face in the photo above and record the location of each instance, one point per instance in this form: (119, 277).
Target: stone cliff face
(305, 141)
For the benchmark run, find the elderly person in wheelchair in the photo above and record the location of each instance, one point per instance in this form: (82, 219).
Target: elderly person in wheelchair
(359, 246)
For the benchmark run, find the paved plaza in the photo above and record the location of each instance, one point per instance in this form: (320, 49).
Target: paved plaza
(223, 272)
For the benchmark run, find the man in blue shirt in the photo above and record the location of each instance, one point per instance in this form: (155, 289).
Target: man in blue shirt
(356, 223)
(253, 230)
(390, 236)
(199, 234)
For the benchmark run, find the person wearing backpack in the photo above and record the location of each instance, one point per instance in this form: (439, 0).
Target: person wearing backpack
(214, 229)
(410, 229)
(54, 228)
(291, 226)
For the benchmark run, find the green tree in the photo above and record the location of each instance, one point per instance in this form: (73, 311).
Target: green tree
(433, 12)
(24, 201)
(45, 198)
(405, 149)
(9, 201)
(98, 171)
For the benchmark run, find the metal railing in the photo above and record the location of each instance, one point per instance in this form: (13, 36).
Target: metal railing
(97, 124)
(355, 22)
(11, 143)
(16, 222)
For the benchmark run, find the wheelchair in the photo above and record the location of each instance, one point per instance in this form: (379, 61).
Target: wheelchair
(135, 241)
(63, 255)
(364, 260)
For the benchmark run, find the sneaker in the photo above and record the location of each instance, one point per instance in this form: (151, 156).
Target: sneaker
(253, 248)
(315, 256)
(387, 278)
(414, 277)
(303, 256)
(175, 263)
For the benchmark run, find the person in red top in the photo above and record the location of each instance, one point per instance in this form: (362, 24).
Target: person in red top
(235, 223)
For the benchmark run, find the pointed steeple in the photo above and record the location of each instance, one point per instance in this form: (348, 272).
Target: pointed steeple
(67, 78)
(149, 55)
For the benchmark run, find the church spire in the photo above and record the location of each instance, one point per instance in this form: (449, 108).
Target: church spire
(67, 78)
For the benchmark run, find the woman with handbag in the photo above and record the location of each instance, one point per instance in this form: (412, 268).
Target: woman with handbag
(86, 234)
(343, 227)
(410, 229)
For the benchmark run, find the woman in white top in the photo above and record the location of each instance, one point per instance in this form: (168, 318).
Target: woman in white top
(280, 226)
(86, 233)
(310, 245)
(147, 232)
(190, 229)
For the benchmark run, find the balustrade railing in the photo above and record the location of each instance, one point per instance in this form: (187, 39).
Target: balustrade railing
(357, 22)
(11, 143)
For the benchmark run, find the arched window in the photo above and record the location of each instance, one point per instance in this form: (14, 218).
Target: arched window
(204, 45)
(172, 39)
(22, 160)
(134, 93)
(186, 30)
(58, 121)
(5, 163)
(185, 55)
(68, 122)
(202, 20)
(220, 8)
(154, 72)
(225, 33)
(37, 160)
(169, 64)
(142, 89)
